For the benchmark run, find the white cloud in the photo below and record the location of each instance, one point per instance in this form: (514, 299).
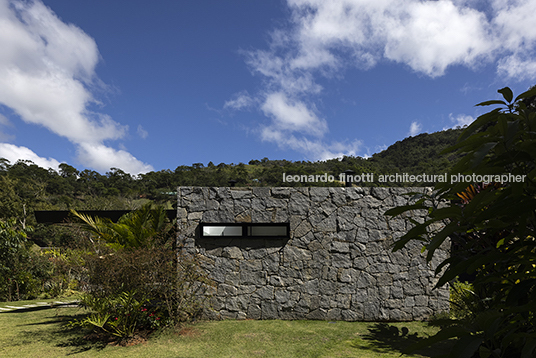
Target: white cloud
(14, 153)
(381, 148)
(292, 121)
(322, 38)
(240, 101)
(312, 149)
(280, 74)
(6, 123)
(103, 158)
(292, 116)
(514, 22)
(142, 132)
(432, 36)
(414, 128)
(428, 36)
(517, 67)
(47, 70)
(461, 120)
(4, 137)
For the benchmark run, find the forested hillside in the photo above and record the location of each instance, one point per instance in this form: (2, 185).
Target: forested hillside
(418, 154)
(25, 187)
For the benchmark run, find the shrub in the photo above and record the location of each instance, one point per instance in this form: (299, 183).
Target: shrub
(65, 273)
(140, 284)
(22, 269)
(120, 315)
(463, 300)
(493, 229)
(136, 289)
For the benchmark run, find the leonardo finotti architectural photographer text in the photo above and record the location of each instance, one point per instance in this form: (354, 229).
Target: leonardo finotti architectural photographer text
(405, 178)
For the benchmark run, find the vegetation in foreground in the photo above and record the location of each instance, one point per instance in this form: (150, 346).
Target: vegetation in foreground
(129, 273)
(45, 333)
(492, 228)
(136, 278)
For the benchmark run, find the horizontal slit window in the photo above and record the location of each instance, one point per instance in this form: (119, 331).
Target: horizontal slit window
(245, 230)
(218, 230)
(267, 230)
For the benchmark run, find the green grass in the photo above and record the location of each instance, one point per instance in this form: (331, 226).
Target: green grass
(43, 333)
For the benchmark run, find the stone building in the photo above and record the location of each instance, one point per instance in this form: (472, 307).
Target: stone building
(308, 253)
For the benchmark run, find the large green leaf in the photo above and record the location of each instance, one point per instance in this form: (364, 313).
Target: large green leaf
(402, 209)
(416, 232)
(483, 150)
(467, 143)
(448, 212)
(479, 122)
(529, 349)
(466, 346)
(131, 230)
(488, 103)
(494, 229)
(531, 92)
(507, 94)
(438, 239)
(520, 291)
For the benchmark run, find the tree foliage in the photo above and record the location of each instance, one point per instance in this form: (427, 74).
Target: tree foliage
(131, 230)
(136, 279)
(419, 154)
(493, 230)
(22, 270)
(25, 187)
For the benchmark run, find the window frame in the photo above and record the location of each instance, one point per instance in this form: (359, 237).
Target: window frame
(246, 230)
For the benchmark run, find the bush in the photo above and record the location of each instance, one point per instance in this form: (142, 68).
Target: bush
(463, 300)
(22, 269)
(148, 285)
(66, 271)
(120, 315)
(138, 289)
(492, 227)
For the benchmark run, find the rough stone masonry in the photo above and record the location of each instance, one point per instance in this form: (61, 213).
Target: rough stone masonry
(336, 264)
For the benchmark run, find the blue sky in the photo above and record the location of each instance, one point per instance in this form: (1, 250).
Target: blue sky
(149, 86)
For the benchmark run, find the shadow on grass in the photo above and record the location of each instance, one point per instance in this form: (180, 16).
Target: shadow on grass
(384, 337)
(62, 334)
(30, 309)
(79, 340)
(41, 308)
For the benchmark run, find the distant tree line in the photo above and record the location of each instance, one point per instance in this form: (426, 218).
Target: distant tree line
(25, 187)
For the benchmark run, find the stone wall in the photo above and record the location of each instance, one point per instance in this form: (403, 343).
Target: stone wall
(336, 263)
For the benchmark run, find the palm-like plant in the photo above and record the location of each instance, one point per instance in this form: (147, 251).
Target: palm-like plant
(131, 230)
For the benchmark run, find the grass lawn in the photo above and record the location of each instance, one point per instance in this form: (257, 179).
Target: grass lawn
(41, 332)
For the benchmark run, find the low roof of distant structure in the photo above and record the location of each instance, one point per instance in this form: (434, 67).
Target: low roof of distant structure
(60, 216)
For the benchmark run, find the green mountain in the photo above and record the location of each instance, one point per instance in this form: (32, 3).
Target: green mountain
(25, 187)
(419, 154)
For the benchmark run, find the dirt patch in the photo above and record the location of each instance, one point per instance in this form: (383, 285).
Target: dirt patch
(188, 332)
